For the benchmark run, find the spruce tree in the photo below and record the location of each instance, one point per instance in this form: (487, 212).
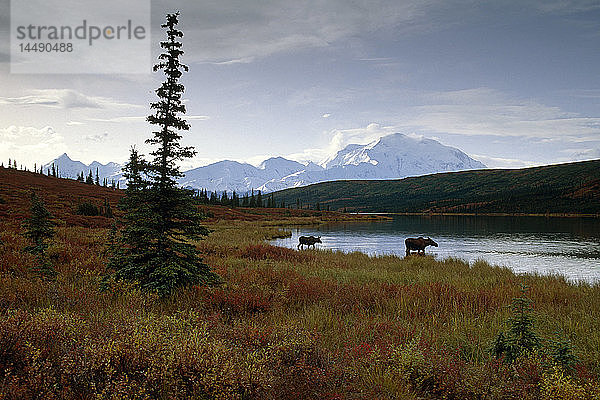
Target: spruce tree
(131, 257)
(39, 228)
(162, 218)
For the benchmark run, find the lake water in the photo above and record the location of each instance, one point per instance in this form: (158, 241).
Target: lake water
(569, 246)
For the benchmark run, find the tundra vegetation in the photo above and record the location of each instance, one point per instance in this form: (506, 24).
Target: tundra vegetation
(284, 324)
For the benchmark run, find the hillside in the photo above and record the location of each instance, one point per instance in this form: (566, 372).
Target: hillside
(563, 188)
(62, 196)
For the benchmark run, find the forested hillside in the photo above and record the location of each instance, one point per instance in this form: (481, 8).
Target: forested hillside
(563, 188)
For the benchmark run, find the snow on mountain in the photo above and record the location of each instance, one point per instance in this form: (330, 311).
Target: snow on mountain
(399, 156)
(68, 168)
(391, 157)
(225, 175)
(279, 167)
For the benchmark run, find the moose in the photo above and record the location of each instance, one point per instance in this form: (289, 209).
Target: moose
(418, 245)
(308, 241)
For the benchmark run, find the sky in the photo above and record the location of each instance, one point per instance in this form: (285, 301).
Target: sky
(510, 83)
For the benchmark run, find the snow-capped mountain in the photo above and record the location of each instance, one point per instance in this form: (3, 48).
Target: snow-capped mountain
(399, 156)
(224, 175)
(239, 177)
(390, 157)
(68, 168)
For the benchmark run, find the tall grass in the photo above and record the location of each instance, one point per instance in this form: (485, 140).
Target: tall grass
(285, 324)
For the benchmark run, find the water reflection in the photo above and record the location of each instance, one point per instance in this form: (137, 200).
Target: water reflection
(570, 246)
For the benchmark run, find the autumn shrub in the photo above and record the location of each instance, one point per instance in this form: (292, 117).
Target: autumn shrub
(87, 209)
(233, 300)
(284, 325)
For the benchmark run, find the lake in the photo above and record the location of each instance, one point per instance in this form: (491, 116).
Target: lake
(569, 246)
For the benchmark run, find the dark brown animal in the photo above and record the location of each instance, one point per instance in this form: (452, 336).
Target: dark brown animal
(418, 245)
(308, 241)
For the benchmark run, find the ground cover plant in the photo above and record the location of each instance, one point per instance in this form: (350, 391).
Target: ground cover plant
(284, 324)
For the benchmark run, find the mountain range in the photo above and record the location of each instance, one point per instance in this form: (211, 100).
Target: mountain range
(390, 157)
(68, 168)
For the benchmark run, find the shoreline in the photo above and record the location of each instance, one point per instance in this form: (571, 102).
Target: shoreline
(547, 215)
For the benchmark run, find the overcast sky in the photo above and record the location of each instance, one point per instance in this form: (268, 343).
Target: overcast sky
(511, 83)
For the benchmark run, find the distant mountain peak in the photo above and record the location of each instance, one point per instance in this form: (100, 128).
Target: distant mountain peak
(69, 168)
(278, 162)
(390, 157)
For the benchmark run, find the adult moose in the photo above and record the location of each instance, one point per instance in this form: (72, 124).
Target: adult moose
(308, 241)
(418, 244)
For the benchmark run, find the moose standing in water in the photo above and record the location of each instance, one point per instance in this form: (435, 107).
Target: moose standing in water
(308, 241)
(418, 245)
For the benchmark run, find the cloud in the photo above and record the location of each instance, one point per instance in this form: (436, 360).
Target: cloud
(498, 162)
(119, 119)
(246, 60)
(567, 6)
(142, 118)
(74, 123)
(238, 31)
(340, 138)
(63, 98)
(99, 137)
(29, 145)
(585, 154)
(484, 111)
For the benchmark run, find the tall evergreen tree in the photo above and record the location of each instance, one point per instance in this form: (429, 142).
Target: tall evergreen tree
(97, 181)
(170, 217)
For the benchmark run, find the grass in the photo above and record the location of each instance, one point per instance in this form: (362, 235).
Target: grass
(286, 324)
